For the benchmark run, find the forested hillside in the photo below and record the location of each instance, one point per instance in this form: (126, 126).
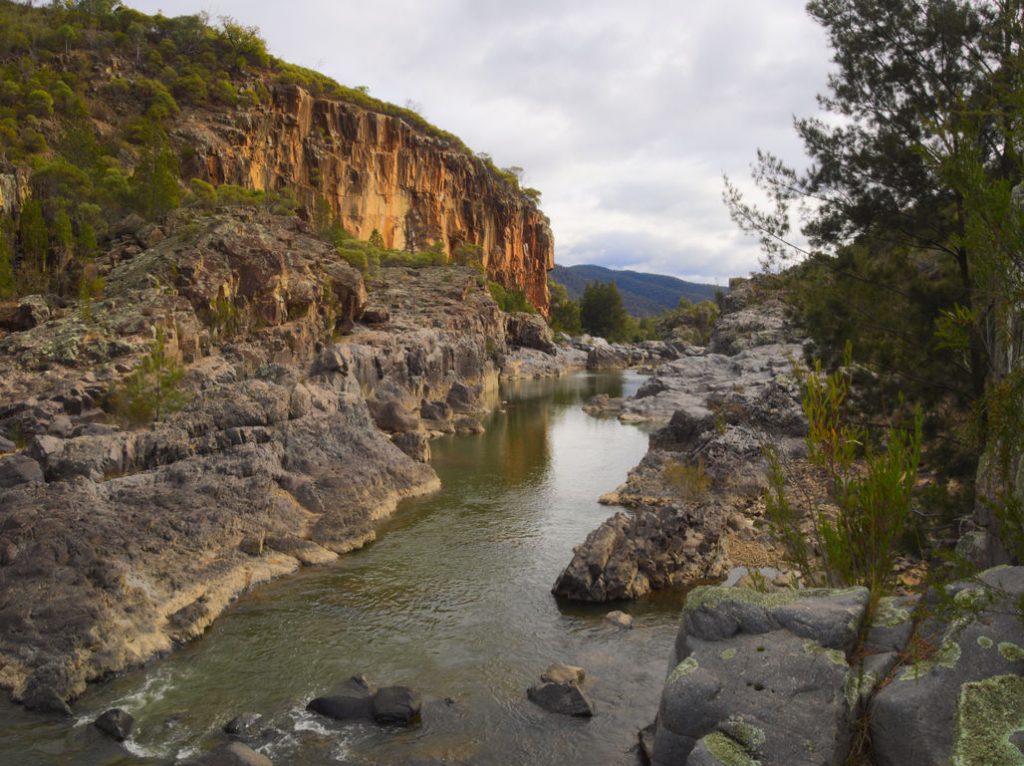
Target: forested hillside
(643, 295)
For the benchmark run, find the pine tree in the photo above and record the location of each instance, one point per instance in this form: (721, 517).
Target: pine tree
(602, 312)
(35, 240)
(7, 288)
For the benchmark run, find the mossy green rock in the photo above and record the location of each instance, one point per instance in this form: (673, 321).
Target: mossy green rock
(761, 678)
(956, 705)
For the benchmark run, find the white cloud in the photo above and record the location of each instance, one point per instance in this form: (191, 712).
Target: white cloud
(623, 115)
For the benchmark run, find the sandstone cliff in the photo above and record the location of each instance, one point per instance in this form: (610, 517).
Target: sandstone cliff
(380, 173)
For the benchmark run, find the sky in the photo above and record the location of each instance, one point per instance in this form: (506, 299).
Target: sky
(625, 115)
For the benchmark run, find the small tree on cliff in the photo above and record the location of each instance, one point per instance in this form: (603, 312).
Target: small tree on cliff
(153, 390)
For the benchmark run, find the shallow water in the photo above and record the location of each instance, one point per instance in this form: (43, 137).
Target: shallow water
(453, 599)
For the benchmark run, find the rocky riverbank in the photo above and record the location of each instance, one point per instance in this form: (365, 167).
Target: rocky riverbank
(797, 677)
(695, 497)
(311, 401)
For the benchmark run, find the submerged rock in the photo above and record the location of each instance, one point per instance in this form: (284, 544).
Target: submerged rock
(565, 698)
(242, 725)
(232, 754)
(352, 700)
(396, 705)
(619, 619)
(115, 723)
(562, 674)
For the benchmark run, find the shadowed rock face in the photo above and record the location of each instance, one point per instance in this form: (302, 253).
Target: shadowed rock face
(378, 172)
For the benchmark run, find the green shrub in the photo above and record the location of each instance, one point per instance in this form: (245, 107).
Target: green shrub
(510, 299)
(39, 103)
(871, 486)
(154, 389)
(690, 480)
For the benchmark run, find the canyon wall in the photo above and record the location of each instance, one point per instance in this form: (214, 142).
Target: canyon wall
(377, 172)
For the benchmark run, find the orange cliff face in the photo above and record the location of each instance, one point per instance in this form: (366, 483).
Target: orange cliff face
(377, 172)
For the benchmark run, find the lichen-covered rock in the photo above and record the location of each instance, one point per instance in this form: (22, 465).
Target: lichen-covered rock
(960, 704)
(761, 678)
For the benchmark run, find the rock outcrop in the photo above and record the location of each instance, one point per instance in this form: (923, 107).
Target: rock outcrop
(117, 543)
(763, 677)
(772, 678)
(704, 465)
(377, 172)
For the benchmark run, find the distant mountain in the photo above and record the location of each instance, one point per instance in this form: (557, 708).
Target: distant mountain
(642, 294)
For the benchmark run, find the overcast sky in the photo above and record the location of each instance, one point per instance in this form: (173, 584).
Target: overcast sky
(623, 114)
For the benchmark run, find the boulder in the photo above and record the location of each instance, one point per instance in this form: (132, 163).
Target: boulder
(619, 619)
(242, 725)
(558, 673)
(461, 398)
(415, 444)
(231, 754)
(563, 698)
(398, 705)
(352, 700)
(115, 723)
(604, 356)
(467, 424)
(393, 417)
(953, 706)
(435, 410)
(19, 469)
(524, 330)
(761, 676)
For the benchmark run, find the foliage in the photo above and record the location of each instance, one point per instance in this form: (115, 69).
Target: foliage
(510, 299)
(602, 313)
(35, 240)
(7, 284)
(154, 389)
(872, 487)
(564, 312)
(688, 323)
(690, 480)
(155, 190)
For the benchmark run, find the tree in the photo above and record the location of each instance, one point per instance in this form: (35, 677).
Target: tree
(35, 240)
(563, 310)
(153, 390)
(903, 69)
(7, 288)
(602, 312)
(155, 187)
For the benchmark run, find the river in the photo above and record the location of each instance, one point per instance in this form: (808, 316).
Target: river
(453, 599)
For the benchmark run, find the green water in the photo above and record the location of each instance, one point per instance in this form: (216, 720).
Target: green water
(453, 599)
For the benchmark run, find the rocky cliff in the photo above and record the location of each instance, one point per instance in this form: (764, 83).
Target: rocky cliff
(311, 403)
(377, 172)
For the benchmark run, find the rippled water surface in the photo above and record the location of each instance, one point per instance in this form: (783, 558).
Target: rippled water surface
(453, 599)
